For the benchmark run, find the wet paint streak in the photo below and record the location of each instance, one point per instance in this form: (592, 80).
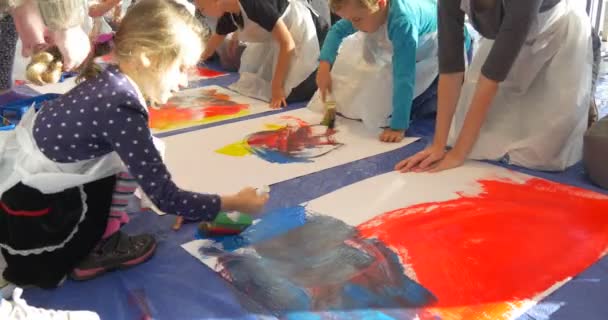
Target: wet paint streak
(294, 142)
(195, 108)
(294, 261)
(483, 256)
(205, 73)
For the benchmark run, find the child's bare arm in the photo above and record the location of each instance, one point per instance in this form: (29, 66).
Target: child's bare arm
(286, 48)
(213, 43)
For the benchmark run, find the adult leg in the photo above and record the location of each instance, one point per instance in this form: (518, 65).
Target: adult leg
(8, 34)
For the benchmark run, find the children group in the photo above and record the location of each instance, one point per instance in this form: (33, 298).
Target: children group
(520, 93)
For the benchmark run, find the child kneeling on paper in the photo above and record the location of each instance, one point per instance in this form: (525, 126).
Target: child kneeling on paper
(282, 45)
(386, 74)
(63, 168)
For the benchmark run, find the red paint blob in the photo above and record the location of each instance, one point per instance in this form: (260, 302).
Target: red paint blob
(511, 242)
(208, 73)
(206, 104)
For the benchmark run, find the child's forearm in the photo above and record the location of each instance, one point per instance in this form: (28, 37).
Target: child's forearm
(448, 93)
(283, 61)
(213, 43)
(286, 49)
(484, 95)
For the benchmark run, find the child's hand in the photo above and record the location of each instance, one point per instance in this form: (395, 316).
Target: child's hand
(278, 97)
(324, 79)
(390, 135)
(246, 201)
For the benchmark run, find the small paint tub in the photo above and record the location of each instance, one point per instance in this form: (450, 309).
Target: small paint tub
(6, 124)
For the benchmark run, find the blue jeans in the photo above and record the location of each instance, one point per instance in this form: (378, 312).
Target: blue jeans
(425, 105)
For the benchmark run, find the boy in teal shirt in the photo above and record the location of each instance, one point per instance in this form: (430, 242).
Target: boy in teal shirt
(410, 37)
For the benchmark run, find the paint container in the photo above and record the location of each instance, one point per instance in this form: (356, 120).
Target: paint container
(228, 223)
(225, 224)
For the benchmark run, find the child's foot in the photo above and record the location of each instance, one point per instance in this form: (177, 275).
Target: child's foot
(119, 251)
(18, 309)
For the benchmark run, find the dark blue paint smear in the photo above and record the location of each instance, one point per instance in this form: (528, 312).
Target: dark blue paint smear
(296, 263)
(273, 156)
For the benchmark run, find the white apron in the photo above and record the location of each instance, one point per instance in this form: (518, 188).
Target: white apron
(362, 76)
(259, 59)
(539, 115)
(22, 161)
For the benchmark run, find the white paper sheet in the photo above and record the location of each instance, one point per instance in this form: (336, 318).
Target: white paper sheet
(195, 164)
(203, 105)
(448, 252)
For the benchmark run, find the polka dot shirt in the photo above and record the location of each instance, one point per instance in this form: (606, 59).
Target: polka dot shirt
(105, 114)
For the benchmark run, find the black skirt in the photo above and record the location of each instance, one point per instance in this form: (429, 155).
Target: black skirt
(44, 236)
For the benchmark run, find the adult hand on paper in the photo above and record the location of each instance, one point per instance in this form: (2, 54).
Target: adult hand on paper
(452, 159)
(250, 201)
(423, 160)
(74, 45)
(278, 97)
(391, 135)
(324, 79)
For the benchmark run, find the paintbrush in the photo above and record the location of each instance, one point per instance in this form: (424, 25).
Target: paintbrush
(329, 120)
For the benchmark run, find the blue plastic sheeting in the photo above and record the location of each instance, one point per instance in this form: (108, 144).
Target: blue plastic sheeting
(174, 285)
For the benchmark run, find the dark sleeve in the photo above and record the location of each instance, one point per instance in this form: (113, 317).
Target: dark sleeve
(130, 137)
(518, 18)
(263, 12)
(451, 36)
(225, 25)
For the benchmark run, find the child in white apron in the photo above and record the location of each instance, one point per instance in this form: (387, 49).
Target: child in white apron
(381, 70)
(59, 167)
(282, 45)
(526, 96)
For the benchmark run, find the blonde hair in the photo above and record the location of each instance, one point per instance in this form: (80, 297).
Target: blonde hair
(151, 26)
(336, 5)
(45, 67)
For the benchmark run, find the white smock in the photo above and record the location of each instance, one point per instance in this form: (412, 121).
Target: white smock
(539, 115)
(259, 59)
(362, 76)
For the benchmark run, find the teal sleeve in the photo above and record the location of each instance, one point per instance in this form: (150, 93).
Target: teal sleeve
(333, 40)
(404, 37)
(468, 41)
